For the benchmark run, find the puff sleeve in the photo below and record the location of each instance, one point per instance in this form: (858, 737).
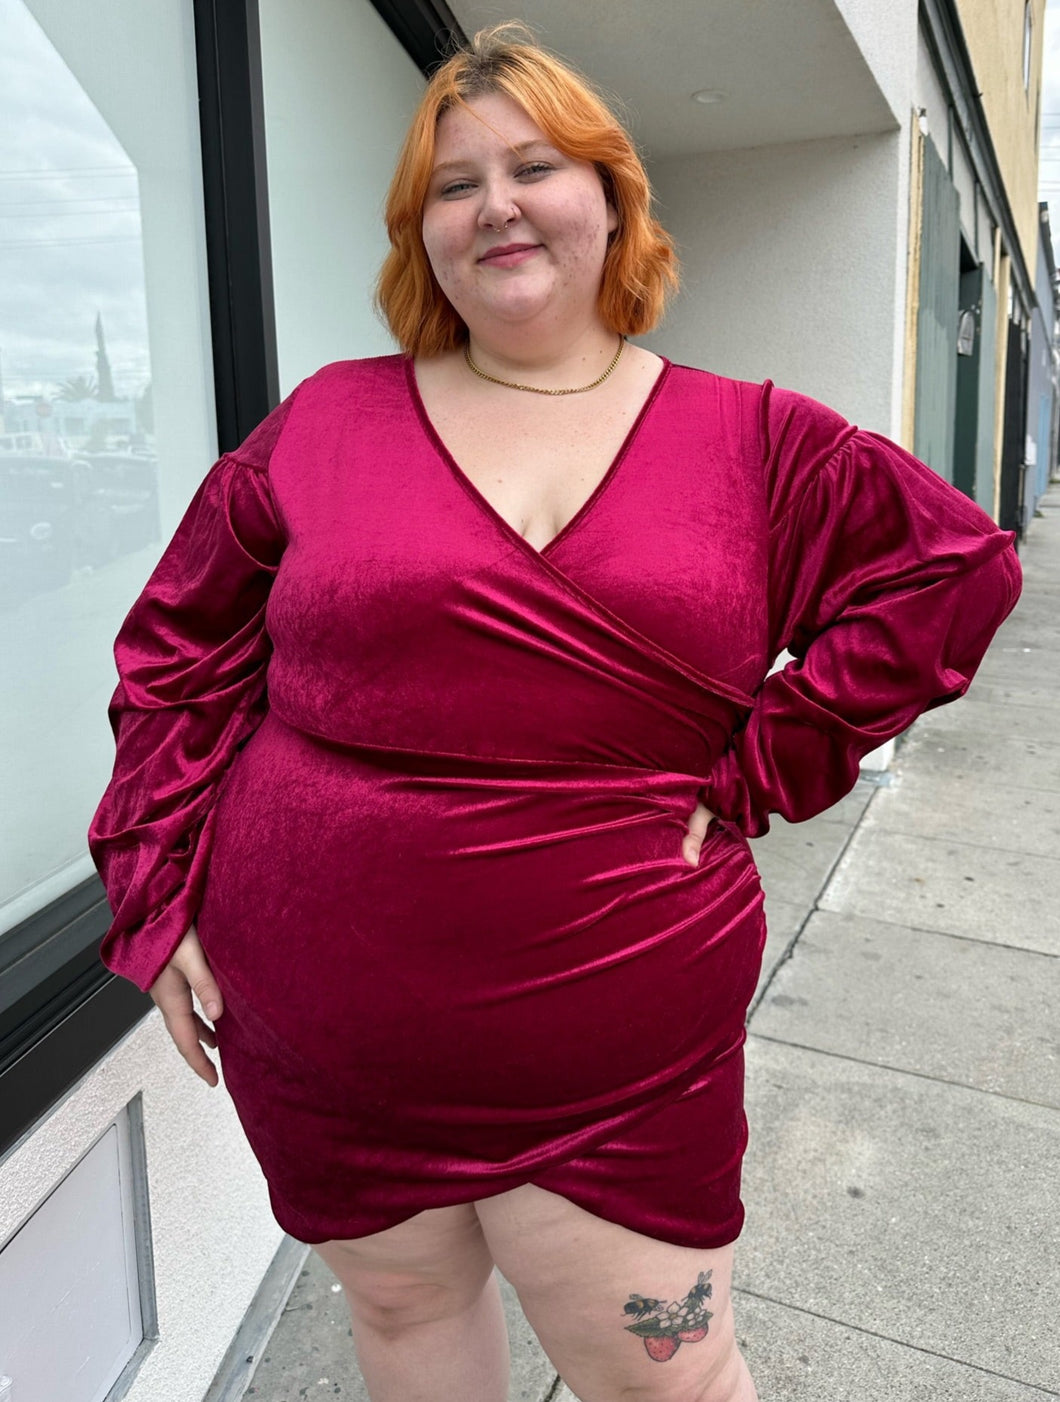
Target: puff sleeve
(886, 586)
(191, 659)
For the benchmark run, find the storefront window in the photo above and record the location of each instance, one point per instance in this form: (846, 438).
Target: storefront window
(106, 397)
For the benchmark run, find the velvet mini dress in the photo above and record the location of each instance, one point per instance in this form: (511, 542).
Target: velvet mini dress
(422, 787)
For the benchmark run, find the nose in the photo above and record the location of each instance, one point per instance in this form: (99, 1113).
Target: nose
(498, 208)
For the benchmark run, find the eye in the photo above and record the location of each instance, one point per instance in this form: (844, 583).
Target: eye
(454, 188)
(535, 168)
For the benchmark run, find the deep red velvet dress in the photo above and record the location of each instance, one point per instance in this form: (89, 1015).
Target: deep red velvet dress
(437, 869)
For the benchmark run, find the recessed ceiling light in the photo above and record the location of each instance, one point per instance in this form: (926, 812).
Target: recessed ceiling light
(708, 96)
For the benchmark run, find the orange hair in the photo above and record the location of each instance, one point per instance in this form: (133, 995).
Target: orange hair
(640, 268)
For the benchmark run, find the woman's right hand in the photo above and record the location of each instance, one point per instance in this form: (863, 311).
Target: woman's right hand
(186, 973)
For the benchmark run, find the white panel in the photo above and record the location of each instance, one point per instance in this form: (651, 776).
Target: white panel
(339, 92)
(71, 1317)
(790, 264)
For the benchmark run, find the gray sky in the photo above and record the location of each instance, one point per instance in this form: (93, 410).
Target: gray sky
(69, 224)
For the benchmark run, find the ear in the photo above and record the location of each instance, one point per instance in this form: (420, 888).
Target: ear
(612, 219)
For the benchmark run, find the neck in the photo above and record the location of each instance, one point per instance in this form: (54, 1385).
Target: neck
(550, 361)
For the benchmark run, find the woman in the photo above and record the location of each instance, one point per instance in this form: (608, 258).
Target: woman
(479, 922)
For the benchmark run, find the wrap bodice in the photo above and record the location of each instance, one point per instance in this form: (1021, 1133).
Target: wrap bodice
(435, 629)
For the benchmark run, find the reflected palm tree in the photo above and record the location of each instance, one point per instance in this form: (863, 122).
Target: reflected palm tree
(77, 387)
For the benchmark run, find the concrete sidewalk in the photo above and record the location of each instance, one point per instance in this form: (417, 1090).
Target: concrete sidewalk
(903, 1182)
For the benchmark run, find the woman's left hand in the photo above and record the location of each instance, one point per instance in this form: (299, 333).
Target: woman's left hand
(700, 819)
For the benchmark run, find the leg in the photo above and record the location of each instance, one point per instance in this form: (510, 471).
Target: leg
(428, 1324)
(576, 1274)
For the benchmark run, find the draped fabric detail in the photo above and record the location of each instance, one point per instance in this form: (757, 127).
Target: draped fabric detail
(887, 586)
(191, 657)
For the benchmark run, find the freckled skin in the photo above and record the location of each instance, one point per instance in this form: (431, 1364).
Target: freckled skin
(494, 196)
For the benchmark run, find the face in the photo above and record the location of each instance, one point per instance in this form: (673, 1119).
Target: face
(515, 231)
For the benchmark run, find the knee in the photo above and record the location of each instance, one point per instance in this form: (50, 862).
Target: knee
(391, 1307)
(725, 1377)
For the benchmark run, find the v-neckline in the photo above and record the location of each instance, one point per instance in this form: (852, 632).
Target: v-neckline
(483, 502)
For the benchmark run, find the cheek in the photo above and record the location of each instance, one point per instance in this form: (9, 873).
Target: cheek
(442, 234)
(589, 232)
(440, 255)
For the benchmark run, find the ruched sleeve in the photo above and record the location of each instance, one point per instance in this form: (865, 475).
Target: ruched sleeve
(191, 659)
(886, 586)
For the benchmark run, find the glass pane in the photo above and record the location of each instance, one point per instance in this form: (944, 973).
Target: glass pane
(106, 420)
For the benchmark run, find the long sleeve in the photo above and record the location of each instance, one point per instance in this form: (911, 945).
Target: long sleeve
(886, 586)
(191, 659)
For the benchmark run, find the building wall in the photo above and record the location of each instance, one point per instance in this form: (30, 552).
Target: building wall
(886, 36)
(930, 97)
(212, 1236)
(339, 92)
(1003, 285)
(794, 268)
(993, 30)
(1040, 382)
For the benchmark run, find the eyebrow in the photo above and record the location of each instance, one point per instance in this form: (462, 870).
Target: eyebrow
(519, 150)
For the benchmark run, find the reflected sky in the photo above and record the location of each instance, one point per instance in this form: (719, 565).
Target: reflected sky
(70, 241)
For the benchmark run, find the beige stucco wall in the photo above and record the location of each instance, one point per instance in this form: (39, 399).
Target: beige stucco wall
(993, 30)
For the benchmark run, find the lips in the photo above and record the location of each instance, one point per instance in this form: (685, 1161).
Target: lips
(508, 253)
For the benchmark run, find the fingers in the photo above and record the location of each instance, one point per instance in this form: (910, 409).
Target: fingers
(186, 971)
(190, 959)
(699, 821)
(172, 996)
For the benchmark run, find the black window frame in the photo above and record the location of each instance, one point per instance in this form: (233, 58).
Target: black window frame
(61, 1011)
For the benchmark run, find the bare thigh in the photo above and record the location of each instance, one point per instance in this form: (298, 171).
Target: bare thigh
(431, 1267)
(582, 1281)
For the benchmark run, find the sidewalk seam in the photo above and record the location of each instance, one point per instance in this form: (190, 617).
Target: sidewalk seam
(930, 930)
(887, 1338)
(976, 846)
(905, 1071)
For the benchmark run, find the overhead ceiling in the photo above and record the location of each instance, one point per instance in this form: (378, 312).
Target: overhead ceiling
(789, 69)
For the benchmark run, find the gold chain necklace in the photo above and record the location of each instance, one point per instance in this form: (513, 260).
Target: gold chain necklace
(535, 389)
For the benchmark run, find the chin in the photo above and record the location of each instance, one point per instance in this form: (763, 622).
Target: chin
(517, 305)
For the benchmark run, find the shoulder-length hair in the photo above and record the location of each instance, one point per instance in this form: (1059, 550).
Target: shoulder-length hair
(640, 267)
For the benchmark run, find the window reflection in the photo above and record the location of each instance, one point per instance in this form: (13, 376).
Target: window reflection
(98, 161)
(78, 483)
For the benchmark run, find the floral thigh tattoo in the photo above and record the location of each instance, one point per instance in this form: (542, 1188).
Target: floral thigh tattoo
(666, 1325)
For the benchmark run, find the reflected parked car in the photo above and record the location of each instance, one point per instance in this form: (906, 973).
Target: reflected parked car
(40, 499)
(58, 514)
(120, 509)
